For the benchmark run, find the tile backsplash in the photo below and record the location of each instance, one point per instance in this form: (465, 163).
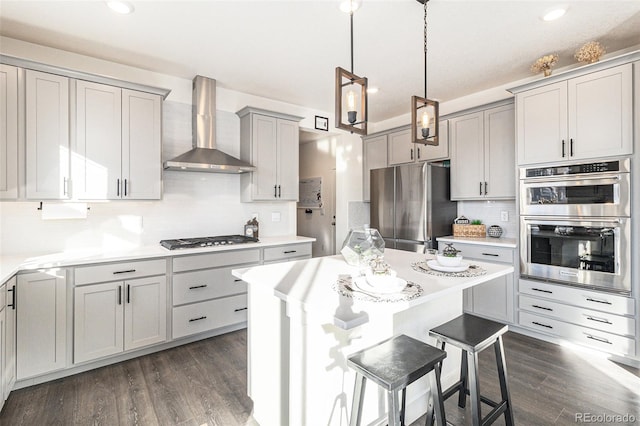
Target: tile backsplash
(489, 212)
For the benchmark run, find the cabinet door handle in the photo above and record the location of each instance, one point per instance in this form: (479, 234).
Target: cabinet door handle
(480, 188)
(279, 191)
(485, 188)
(542, 307)
(290, 251)
(125, 187)
(418, 152)
(589, 299)
(542, 291)
(562, 148)
(596, 319)
(64, 186)
(119, 295)
(124, 272)
(275, 191)
(198, 319)
(411, 151)
(240, 309)
(491, 254)
(13, 297)
(541, 324)
(197, 286)
(571, 147)
(598, 339)
(128, 293)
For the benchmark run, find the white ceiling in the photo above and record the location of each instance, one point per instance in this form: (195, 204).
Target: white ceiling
(288, 50)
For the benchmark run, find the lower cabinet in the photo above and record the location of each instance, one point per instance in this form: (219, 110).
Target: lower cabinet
(493, 299)
(41, 323)
(8, 350)
(119, 316)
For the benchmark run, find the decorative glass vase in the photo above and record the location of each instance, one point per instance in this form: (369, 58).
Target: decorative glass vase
(362, 245)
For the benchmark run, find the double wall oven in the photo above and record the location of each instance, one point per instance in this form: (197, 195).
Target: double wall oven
(576, 226)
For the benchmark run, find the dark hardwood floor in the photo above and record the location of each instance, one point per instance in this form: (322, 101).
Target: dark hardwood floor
(204, 383)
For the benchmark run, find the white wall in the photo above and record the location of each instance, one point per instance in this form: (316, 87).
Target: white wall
(348, 181)
(193, 204)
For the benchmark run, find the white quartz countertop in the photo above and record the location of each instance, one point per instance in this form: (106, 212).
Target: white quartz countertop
(485, 241)
(307, 285)
(10, 265)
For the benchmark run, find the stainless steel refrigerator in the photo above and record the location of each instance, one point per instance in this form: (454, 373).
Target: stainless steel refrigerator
(410, 205)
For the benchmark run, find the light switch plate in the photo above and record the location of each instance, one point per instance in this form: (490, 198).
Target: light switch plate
(504, 216)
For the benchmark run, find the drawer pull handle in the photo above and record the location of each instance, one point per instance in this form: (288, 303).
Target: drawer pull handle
(596, 319)
(491, 254)
(589, 299)
(124, 272)
(237, 280)
(240, 309)
(541, 290)
(540, 324)
(197, 319)
(542, 307)
(290, 251)
(598, 339)
(197, 286)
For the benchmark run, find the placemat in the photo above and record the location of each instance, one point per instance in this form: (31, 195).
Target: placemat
(473, 271)
(345, 286)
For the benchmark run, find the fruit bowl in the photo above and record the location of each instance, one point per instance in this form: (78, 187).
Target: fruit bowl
(449, 260)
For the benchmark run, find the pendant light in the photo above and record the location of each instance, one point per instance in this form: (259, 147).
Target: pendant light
(351, 94)
(424, 111)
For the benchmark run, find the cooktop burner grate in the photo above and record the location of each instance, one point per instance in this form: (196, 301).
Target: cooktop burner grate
(223, 240)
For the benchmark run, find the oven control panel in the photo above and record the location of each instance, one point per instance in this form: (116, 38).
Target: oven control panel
(574, 169)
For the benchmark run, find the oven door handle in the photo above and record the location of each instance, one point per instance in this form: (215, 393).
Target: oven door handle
(559, 221)
(572, 180)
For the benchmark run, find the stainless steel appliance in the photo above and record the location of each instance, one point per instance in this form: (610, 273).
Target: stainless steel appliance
(185, 243)
(586, 189)
(410, 205)
(575, 225)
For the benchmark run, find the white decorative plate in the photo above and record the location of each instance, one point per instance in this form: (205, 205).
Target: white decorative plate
(362, 284)
(433, 264)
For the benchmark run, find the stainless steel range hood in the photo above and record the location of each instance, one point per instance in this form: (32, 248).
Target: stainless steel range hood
(204, 157)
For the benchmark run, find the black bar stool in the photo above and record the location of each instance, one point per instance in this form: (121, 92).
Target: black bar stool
(473, 334)
(394, 364)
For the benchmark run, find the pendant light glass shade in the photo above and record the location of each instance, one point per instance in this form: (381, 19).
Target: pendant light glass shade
(351, 102)
(424, 112)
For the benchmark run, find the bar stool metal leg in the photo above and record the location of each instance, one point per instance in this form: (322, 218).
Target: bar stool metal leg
(438, 401)
(502, 375)
(358, 398)
(394, 411)
(474, 389)
(464, 380)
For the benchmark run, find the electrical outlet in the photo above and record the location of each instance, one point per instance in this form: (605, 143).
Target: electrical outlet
(275, 216)
(504, 216)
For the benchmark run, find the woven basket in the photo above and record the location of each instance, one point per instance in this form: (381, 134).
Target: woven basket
(469, 230)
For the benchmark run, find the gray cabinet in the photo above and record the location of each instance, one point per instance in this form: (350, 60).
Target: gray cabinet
(483, 154)
(47, 136)
(270, 142)
(493, 299)
(9, 132)
(9, 338)
(375, 157)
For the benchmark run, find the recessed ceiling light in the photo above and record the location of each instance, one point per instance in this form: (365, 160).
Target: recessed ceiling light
(350, 5)
(554, 14)
(123, 7)
(372, 90)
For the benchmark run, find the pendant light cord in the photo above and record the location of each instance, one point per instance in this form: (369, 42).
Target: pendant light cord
(351, 21)
(425, 48)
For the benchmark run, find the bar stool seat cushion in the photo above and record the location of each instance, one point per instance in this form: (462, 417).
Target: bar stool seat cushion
(396, 362)
(470, 332)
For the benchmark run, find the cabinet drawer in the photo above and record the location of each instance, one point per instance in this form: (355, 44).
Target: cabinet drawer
(287, 252)
(585, 317)
(196, 286)
(598, 301)
(485, 253)
(205, 316)
(119, 271)
(585, 336)
(213, 260)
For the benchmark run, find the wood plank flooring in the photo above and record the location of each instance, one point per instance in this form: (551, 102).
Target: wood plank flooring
(204, 383)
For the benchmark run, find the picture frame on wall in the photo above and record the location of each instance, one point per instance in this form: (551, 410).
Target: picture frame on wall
(322, 123)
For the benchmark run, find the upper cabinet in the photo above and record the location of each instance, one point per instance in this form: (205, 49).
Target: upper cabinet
(8, 132)
(47, 136)
(483, 155)
(117, 153)
(585, 117)
(394, 147)
(269, 141)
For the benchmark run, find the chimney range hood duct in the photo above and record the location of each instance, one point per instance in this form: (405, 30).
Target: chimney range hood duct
(204, 157)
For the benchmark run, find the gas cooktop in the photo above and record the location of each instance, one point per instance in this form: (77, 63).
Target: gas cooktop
(186, 243)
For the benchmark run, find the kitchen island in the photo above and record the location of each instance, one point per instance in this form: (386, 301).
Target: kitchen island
(301, 332)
